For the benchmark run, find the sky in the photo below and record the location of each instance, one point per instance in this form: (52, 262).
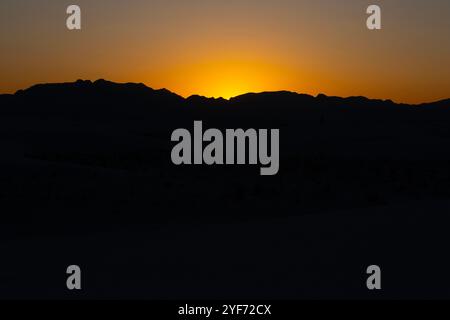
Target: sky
(226, 48)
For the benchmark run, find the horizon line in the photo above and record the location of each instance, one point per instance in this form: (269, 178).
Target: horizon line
(222, 98)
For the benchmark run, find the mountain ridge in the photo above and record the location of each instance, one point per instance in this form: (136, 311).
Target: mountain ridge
(105, 86)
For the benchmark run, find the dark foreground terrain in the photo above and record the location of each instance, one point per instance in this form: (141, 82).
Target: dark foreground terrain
(86, 178)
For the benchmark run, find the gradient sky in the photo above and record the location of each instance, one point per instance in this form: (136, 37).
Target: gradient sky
(225, 48)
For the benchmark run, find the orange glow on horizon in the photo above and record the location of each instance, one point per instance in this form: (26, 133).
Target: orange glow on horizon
(225, 78)
(228, 48)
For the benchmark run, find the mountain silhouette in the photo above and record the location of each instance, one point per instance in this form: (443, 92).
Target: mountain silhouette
(103, 149)
(108, 89)
(86, 176)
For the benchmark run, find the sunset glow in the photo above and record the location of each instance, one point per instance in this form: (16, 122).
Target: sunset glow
(223, 49)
